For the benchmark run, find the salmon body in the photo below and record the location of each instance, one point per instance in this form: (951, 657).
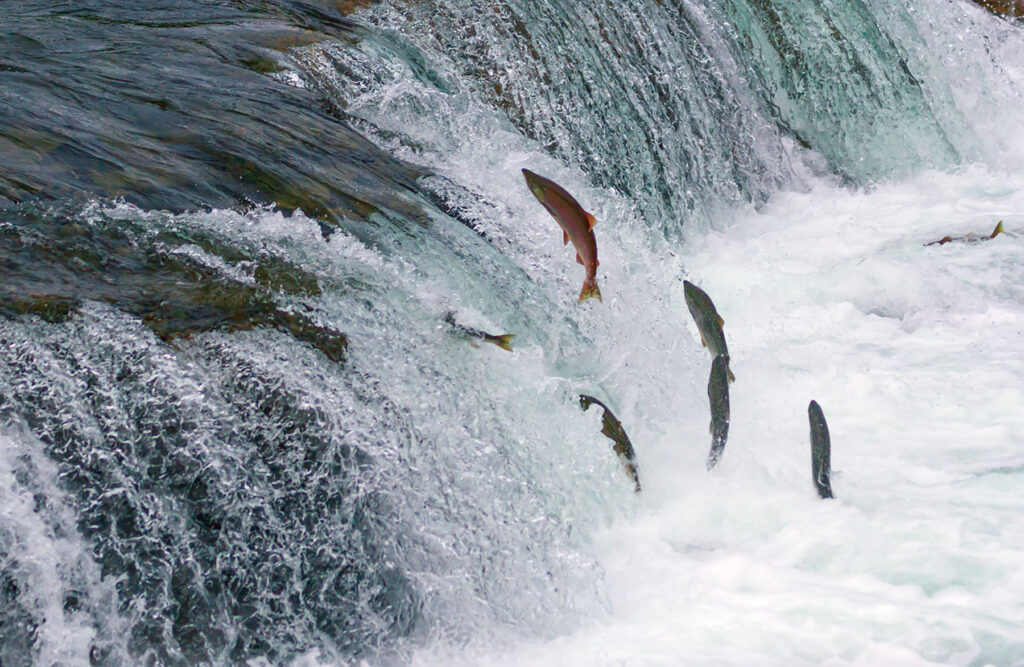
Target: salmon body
(503, 341)
(821, 451)
(577, 226)
(718, 397)
(709, 322)
(612, 429)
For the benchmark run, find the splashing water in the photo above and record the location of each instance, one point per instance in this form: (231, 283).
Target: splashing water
(225, 439)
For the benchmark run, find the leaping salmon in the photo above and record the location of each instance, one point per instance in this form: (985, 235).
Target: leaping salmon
(971, 236)
(709, 323)
(821, 451)
(611, 427)
(503, 341)
(577, 226)
(718, 398)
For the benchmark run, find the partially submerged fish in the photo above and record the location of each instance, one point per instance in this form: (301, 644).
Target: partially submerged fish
(612, 429)
(577, 226)
(971, 236)
(709, 323)
(821, 451)
(501, 341)
(718, 397)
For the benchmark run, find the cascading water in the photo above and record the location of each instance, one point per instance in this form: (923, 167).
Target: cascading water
(235, 427)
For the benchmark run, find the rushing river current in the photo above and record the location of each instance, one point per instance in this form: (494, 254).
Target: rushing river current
(237, 426)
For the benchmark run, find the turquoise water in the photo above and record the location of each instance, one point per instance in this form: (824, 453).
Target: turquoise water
(235, 426)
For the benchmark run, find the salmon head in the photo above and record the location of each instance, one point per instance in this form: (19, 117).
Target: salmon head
(539, 186)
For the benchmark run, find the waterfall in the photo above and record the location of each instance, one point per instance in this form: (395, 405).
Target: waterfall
(234, 424)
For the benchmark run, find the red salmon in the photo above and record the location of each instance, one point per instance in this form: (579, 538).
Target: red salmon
(577, 226)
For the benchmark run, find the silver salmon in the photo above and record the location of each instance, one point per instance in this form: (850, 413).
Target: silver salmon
(821, 451)
(612, 429)
(577, 226)
(503, 341)
(718, 397)
(709, 323)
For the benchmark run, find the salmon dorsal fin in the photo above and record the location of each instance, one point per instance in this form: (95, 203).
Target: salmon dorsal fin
(565, 237)
(590, 220)
(721, 322)
(998, 230)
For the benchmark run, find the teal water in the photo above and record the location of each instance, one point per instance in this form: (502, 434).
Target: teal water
(236, 428)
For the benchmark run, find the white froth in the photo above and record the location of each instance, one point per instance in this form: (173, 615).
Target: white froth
(914, 353)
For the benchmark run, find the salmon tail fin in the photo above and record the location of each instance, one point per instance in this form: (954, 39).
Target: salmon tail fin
(590, 289)
(998, 230)
(504, 342)
(590, 220)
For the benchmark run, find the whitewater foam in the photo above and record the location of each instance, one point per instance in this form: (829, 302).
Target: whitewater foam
(914, 354)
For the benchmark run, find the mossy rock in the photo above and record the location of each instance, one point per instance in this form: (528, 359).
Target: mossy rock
(52, 270)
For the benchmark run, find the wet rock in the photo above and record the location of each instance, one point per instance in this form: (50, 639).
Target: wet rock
(345, 7)
(224, 136)
(287, 278)
(51, 271)
(262, 65)
(292, 39)
(348, 6)
(53, 309)
(1008, 8)
(240, 528)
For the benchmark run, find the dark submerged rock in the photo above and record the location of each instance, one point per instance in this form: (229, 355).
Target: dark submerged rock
(56, 264)
(19, 627)
(243, 529)
(217, 132)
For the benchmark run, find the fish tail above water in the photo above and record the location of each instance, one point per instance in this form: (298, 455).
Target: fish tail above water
(821, 451)
(971, 236)
(473, 335)
(577, 226)
(504, 342)
(590, 289)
